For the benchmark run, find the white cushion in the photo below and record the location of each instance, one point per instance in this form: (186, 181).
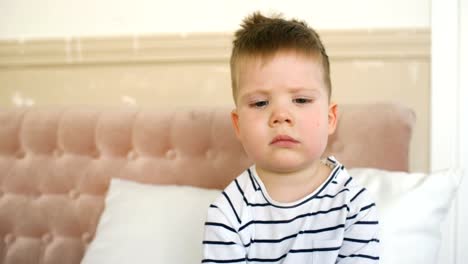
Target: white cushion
(150, 224)
(164, 224)
(411, 209)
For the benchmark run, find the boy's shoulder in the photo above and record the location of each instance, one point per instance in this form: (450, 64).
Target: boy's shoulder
(242, 185)
(355, 193)
(357, 197)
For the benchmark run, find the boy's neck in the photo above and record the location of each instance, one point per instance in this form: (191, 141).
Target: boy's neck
(292, 186)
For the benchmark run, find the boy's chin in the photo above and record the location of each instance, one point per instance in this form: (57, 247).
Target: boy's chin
(285, 166)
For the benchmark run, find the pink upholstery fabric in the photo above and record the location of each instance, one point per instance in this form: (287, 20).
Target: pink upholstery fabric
(56, 164)
(374, 136)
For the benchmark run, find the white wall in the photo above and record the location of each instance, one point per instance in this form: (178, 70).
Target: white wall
(449, 144)
(23, 19)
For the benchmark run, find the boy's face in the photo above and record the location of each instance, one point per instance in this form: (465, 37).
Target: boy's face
(283, 117)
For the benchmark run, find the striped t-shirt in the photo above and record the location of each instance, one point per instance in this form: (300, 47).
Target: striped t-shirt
(337, 223)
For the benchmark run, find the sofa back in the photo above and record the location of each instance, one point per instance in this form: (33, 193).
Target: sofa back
(56, 164)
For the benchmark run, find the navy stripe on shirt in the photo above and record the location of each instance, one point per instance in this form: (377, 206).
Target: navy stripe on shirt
(295, 218)
(332, 196)
(359, 256)
(366, 223)
(255, 187)
(223, 260)
(348, 181)
(363, 241)
(232, 207)
(302, 250)
(356, 196)
(245, 199)
(220, 225)
(207, 242)
(332, 228)
(362, 209)
(279, 240)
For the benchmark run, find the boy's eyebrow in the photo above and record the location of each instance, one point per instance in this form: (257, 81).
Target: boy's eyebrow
(302, 89)
(307, 90)
(260, 92)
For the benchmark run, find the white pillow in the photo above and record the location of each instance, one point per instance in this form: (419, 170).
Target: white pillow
(164, 224)
(411, 209)
(150, 224)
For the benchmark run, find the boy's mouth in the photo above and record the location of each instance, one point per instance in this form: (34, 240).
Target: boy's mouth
(284, 141)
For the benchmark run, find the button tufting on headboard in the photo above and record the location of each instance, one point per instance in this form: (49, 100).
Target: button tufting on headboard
(171, 154)
(56, 164)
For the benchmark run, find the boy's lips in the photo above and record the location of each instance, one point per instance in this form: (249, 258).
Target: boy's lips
(283, 140)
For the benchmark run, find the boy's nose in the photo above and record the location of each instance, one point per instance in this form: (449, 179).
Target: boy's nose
(279, 117)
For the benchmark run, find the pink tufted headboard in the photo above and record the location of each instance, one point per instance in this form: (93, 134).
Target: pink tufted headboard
(56, 164)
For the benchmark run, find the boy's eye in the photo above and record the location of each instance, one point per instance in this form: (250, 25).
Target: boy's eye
(259, 104)
(302, 100)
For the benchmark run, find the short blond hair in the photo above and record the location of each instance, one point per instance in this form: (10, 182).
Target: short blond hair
(261, 36)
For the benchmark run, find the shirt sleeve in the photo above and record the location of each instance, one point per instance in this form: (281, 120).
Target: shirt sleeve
(222, 242)
(361, 242)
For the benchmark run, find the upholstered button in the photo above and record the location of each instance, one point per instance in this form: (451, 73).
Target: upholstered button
(171, 154)
(46, 238)
(9, 239)
(73, 194)
(193, 115)
(96, 154)
(20, 154)
(36, 195)
(86, 238)
(58, 153)
(209, 154)
(132, 155)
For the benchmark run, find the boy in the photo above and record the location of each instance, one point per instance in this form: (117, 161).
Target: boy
(291, 206)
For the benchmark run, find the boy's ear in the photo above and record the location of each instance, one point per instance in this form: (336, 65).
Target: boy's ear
(235, 122)
(332, 118)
